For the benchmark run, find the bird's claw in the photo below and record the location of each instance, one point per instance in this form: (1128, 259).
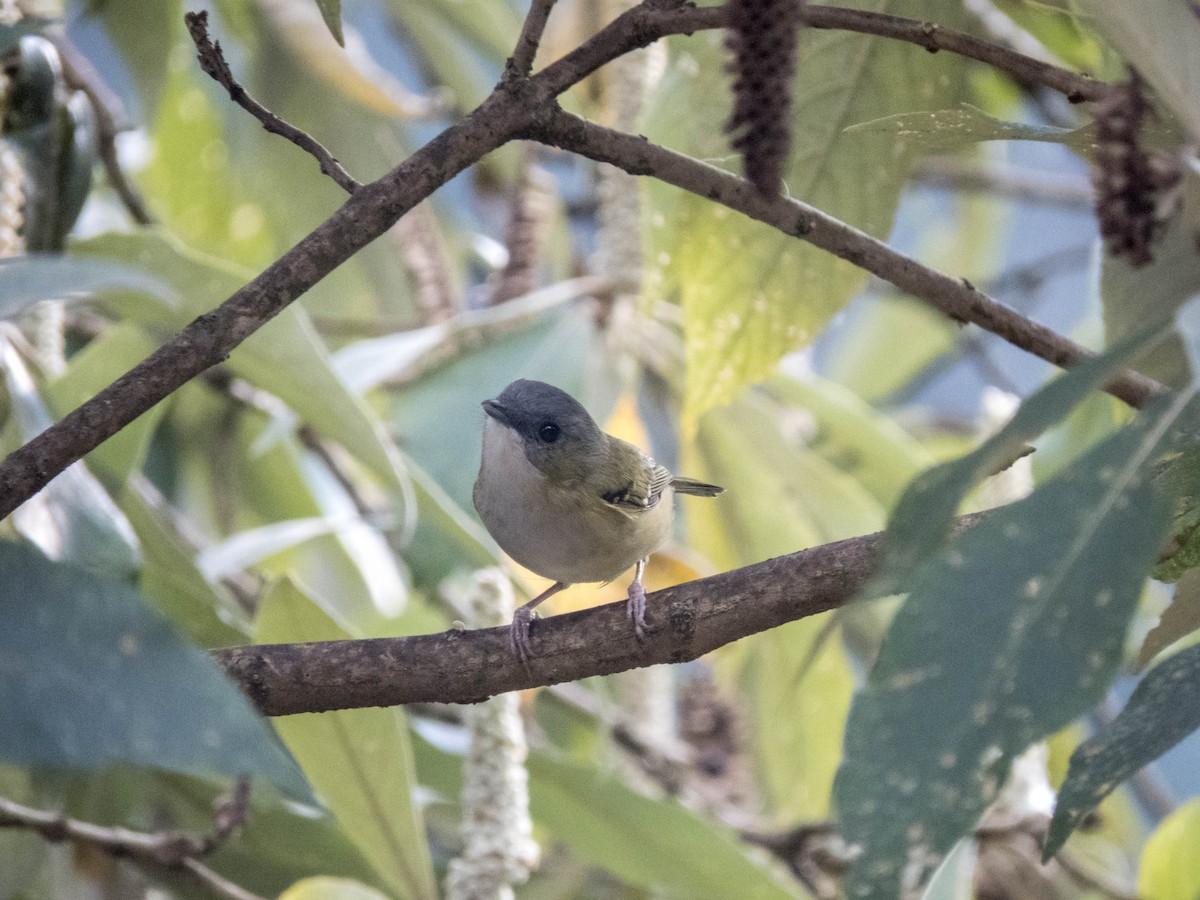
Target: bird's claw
(636, 607)
(519, 635)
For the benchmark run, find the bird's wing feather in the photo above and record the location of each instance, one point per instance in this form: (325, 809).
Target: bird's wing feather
(644, 489)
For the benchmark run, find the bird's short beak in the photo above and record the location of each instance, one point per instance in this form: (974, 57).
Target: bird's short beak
(496, 411)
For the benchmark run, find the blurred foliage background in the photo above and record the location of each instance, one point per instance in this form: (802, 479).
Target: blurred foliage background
(317, 485)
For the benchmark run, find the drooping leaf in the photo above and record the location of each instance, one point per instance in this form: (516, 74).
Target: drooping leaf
(73, 518)
(96, 678)
(949, 129)
(331, 12)
(359, 761)
(922, 519)
(1170, 866)
(30, 279)
(749, 293)
(171, 583)
(1181, 618)
(1163, 710)
(1158, 38)
(1007, 635)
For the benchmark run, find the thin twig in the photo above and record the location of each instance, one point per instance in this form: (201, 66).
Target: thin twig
(520, 64)
(956, 297)
(110, 121)
(171, 850)
(212, 60)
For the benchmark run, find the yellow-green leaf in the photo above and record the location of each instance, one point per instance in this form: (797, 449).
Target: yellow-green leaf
(1170, 867)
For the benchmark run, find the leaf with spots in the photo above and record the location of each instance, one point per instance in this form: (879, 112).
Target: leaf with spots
(1164, 709)
(1011, 632)
(93, 677)
(944, 130)
(749, 293)
(922, 519)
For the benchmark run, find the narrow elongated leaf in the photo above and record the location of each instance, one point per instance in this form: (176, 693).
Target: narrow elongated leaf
(27, 280)
(331, 12)
(358, 760)
(1007, 635)
(73, 518)
(922, 519)
(1181, 618)
(1164, 709)
(949, 129)
(93, 678)
(172, 584)
(649, 843)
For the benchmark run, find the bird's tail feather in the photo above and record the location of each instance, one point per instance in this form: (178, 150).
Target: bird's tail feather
(697, 488)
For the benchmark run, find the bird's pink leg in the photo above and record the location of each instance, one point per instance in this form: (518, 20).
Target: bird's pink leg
(636, 602)
(522, 624)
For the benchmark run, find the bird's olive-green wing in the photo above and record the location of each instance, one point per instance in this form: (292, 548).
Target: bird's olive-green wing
(633, 480)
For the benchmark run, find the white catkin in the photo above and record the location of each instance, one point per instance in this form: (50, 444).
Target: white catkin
(498, 846)
(12, 203)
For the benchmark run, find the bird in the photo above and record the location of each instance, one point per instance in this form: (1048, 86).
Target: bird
(569, 502)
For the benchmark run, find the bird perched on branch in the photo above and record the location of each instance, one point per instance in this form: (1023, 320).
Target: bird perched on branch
(569, 502)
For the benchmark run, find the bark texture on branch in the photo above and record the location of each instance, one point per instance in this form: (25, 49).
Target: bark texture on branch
(683, 622)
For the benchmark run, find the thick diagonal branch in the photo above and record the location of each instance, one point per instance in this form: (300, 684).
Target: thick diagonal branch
(684, 622)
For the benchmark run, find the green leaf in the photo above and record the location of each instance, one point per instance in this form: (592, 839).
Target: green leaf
(949, 129)
(286, 358)
(117, 350)
(654, 844)
(73, 518)
(1179, 619)
(1159, 289)
(1163, 710)
(331, 12)
(359, 761)
(857, 438)
(924, 515)
(955, 877)
(1159, 39)
(95, 678)
(1170, 866)
(1009, 634)
(749, 293)
(171, 583)
(30, 279)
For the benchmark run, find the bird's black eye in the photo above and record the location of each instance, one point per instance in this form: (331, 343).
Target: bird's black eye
(549, 433)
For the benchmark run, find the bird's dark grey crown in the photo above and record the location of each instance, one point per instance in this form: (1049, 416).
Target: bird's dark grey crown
(528, 405)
